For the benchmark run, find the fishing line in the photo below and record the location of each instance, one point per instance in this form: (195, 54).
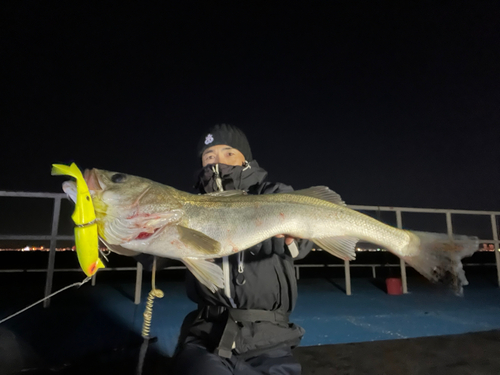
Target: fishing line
(79, 284)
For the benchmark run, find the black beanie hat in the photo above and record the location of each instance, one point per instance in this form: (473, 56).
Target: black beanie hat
(225, 134)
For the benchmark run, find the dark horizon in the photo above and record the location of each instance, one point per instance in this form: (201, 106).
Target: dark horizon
(387, 104)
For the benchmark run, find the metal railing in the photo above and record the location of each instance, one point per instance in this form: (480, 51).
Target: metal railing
(54, 237)
(449, 227)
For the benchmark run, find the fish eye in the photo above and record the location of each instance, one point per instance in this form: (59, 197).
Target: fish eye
(118, 177)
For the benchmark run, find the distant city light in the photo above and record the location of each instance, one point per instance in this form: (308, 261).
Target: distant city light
(40, 248)
(73, 248)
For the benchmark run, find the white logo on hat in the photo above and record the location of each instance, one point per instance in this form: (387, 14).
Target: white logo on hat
(209, 139)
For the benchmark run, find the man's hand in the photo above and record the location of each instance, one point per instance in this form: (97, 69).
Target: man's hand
(288, 239)
(274, 244)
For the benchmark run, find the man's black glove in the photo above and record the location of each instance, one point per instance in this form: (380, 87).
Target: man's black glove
(273, 245)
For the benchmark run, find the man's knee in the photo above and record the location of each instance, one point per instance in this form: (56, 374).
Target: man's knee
(279, 361)
(193, 359)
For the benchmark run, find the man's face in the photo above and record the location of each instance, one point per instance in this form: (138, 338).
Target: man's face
(222, 154)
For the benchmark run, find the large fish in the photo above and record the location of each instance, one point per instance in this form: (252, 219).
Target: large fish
(135, 214)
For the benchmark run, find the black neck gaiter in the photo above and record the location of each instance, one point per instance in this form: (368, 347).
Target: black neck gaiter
(232, 177)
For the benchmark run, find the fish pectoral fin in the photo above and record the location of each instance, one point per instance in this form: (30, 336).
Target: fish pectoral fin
(120, 250)
(320, 192)
(198, 241)
(341, 247)
(207, 272)
(227, 193)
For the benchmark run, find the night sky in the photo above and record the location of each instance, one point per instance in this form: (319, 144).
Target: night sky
(387, 103)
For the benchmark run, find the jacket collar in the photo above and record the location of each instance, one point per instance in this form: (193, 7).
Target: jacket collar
(231, 177)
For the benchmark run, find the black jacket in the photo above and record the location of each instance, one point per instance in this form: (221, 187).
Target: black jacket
(259, 279)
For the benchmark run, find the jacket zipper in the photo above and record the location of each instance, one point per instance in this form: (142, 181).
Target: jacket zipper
(226, 270)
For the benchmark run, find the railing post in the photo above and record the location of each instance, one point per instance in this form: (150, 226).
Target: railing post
(449, 226)
(138, 284)
(347, 277)
(52, 252)
(497, 245)
(402, 264)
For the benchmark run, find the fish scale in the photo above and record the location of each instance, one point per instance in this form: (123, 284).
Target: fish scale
(197, 228)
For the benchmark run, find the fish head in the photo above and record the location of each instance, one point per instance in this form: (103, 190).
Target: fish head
(128, 207)
(116, 188)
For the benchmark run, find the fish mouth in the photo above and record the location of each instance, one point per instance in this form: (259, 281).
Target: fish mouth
(92, 180)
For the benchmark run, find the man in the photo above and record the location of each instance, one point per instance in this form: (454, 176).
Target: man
(244, 328)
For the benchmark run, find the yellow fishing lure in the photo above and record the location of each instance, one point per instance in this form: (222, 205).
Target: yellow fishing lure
(86, 238)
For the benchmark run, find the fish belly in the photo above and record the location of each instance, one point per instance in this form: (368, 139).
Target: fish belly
(166, 243)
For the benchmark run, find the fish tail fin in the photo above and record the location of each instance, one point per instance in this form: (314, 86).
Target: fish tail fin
(439, 259)
(70, 170)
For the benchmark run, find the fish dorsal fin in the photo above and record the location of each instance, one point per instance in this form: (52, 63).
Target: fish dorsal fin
(227, 193)
(321, 192)
(207, 272)
(341, 247)
(198, 241)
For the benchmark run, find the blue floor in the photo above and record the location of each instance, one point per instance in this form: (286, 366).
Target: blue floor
(331, 317)
(93, 319)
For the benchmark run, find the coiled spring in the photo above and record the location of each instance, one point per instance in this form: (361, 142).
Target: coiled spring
(148, 311)
(148, 315)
